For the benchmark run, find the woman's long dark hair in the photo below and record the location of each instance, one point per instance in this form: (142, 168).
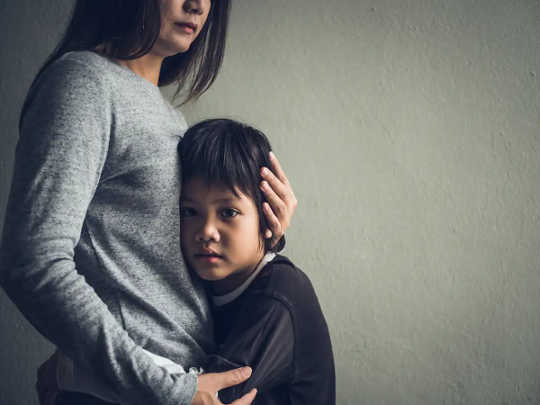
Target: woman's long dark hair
(127, 29)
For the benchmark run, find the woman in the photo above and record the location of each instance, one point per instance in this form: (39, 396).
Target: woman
(90, 251)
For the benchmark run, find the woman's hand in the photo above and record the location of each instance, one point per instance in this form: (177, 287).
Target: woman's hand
(46, 385)
(209, 384)
(281, 200)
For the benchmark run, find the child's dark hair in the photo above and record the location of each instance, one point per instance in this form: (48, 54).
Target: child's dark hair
(227, 152)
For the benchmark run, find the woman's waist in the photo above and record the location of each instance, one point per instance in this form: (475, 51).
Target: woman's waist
(159, 305)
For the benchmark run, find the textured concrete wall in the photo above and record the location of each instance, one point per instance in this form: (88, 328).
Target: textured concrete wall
(410, 131)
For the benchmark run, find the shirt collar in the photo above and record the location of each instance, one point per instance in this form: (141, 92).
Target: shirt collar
(220, 300)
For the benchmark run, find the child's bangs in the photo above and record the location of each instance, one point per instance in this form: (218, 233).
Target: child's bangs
(222, 157)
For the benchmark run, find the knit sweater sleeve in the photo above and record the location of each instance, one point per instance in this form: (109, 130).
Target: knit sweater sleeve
(60, 155)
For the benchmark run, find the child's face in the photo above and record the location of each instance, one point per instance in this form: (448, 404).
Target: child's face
(220, 233)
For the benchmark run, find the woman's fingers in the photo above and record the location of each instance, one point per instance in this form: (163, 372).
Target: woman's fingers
(213, 382)
(232, 377)
(276, 167)
(207, 398)
(276, 213)
(277, 203)
(272, 220)
(277, 179)
(281, 199)
(208, 386)
(246, 399)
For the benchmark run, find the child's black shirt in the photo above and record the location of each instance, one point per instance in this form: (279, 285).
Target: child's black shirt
(277, 328)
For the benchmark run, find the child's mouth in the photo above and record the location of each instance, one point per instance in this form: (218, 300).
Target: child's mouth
(208, 257)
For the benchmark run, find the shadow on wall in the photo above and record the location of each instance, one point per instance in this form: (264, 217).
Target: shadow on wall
(410, 133)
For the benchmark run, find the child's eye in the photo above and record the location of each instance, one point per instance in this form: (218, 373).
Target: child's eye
(229, 213)
(187, 212)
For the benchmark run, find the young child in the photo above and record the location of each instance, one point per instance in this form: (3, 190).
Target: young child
(266, 313)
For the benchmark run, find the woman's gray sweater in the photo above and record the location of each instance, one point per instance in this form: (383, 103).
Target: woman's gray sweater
(91, 248)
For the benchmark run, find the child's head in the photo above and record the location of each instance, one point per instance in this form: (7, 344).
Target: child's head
(222, 217)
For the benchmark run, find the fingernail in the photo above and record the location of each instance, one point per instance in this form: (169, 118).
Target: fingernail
(246, 371)
(264, 184)
(272, 154)
(265, 171)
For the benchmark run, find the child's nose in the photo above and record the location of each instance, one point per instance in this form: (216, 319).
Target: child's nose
(208, 232)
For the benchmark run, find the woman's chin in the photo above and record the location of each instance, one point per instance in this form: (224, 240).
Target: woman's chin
(171, 48)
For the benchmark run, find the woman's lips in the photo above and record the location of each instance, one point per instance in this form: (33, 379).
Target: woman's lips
(188, 28)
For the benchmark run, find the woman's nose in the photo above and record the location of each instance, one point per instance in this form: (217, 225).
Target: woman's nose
(193, 7)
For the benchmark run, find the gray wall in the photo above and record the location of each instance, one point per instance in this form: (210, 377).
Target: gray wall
(411, 133)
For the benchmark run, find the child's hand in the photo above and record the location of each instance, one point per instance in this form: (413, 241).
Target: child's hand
(281, 200)
(209, 384)
(46, 385)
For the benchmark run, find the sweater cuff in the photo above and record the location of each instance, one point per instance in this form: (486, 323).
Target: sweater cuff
(189, 388)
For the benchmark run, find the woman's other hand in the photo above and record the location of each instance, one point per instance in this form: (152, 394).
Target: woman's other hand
(208, 385)
(281, 200)
(46, 385)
